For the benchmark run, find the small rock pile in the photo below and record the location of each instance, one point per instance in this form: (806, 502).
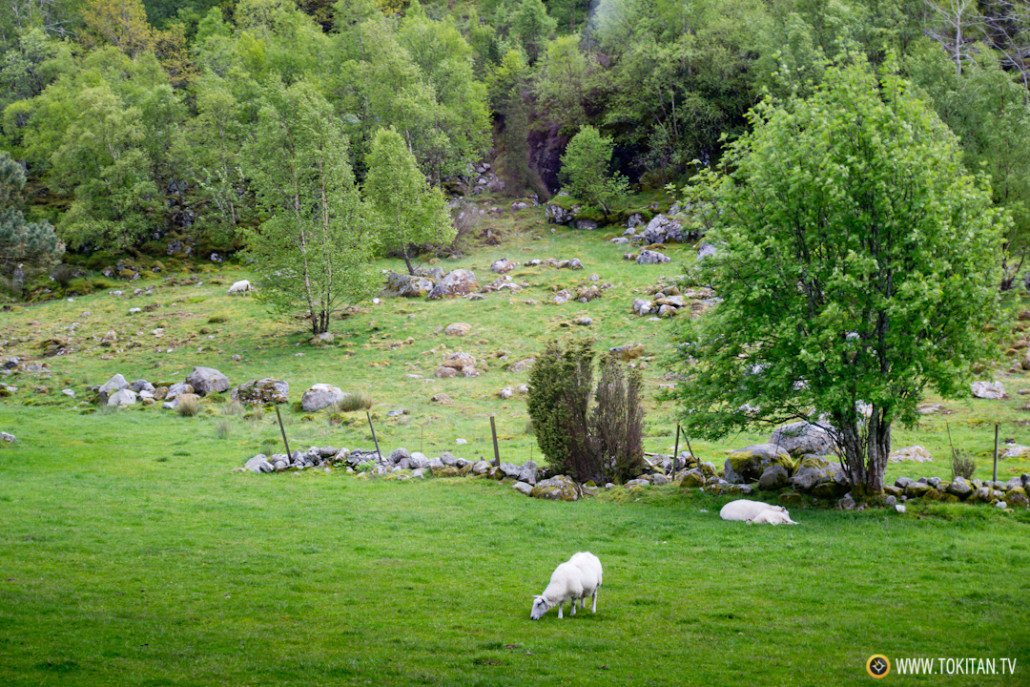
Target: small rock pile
(669, 300)
(459, 363)
(117, 391)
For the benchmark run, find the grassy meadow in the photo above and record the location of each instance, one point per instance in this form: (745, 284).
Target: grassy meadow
(131, 554)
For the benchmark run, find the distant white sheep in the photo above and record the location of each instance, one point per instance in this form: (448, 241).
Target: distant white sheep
(243, 286)
(755, 512)
(577, 578)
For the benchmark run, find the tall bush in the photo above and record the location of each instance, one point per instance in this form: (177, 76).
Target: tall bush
(602, 444)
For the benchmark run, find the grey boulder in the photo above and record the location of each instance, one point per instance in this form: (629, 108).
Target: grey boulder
(207, 380)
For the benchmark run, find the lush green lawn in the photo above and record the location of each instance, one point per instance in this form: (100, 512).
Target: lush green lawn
(129, 554)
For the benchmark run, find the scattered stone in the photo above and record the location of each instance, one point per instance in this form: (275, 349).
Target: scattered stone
(259, 463)
(116, 383)
(662, 229)
(1016, 451)
(502, 266)
(988, 390)
(456, 283)
(458, 329)
(320, 396)
(523, 487)
(652, 257)
(123, 397)
(178, 389)
(559, 488)
(207, 380)
(7, 437)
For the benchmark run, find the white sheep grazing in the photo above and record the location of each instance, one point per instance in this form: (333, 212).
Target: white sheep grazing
(771, 517)
(577, 578)
(743, 509)
(243, 286)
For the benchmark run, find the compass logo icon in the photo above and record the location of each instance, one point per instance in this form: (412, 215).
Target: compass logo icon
(878, 666)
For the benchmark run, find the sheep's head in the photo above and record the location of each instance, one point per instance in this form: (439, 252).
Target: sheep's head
(540, 606)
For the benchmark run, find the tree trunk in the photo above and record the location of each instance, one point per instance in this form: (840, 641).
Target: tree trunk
(406, 251)
(865, 450)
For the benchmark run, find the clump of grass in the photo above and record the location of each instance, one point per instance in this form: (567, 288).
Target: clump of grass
(234, 408)
(217, 319)
(351, 402)
(962, 464)
(223, 428)
(188, 406)
(104, 409)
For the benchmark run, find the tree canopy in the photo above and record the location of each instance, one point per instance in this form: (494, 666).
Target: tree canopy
(857, 266)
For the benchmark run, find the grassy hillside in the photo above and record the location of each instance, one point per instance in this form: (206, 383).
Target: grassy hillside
(390, 350)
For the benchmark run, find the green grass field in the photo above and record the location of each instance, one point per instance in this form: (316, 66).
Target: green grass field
(130, 554)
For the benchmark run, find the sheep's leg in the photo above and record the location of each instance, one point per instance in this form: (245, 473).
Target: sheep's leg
(560, 604)
(594, 608)
(572, 602)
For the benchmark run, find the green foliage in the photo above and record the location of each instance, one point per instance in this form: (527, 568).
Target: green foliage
(562, 80)
(406, 210)
(679, 79)
(856, 266)
(602, 445)
(617, 421)
(560, 384)
(33, 64)
(315, 247)
(33, 244)
(990, 113)
(585, 164)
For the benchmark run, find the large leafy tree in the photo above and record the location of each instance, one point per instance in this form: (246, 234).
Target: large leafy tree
(315, 248)
(857, 267)
(407, 211)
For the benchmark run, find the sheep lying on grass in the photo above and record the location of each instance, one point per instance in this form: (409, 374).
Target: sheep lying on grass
(756, 512)
(243, 286)
(577, 578)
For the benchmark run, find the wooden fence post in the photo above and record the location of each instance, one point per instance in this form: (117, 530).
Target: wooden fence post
(378, 452)
(283, 430)
(497, 453)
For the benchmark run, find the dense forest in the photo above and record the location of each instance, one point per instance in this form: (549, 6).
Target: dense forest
(131, 127)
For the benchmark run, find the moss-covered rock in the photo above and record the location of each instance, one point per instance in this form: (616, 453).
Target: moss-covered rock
(748, 464)
(559, 488)
(446, 471)
(692, 478)
(1017, 498)
(789, 497)
(917, 490)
